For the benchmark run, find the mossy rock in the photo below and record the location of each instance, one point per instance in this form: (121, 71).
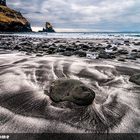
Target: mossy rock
(135, 79)
(71, 90)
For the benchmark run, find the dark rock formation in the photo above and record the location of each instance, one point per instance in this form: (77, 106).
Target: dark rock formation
(48, 28)
(72, 91)
(81, 53)
(11, 20)
(132, 56)
(123, 51)
(106, 55)
(137, 43)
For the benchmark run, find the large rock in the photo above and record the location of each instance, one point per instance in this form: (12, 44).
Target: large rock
(135, 79)
(132, 56)
(67, 53)
(71, 90)
(80, 53)
(12, 21)
(48, 28)
(123, 51)
(106, 55)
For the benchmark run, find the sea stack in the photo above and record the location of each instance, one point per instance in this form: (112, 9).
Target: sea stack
(11, 20)
(48, 28)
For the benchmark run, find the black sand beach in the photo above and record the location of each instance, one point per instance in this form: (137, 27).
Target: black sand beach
(97, 90)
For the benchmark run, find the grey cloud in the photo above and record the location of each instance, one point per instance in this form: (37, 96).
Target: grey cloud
(87, 14)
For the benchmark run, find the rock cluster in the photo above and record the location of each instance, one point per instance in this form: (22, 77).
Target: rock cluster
(135, 78)
(91, 49)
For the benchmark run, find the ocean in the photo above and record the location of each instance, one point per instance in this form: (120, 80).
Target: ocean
(83, 35)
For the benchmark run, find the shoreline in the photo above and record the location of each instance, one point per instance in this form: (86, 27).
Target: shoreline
(77, 35)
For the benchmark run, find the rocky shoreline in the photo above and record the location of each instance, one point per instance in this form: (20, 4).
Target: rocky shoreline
(119, 49)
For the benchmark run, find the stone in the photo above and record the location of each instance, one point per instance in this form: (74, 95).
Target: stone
(28, 53)
(93, 49)
(25, 43)
(106, 55)
(91, 55)
(123, 51)
(135, 79)
(39, 55)
(138, 55)
(109, 46)
(114, 48)
(127, 42)
(121, 59)
(134, 50)
(132, 56)
(71, 90)
(85, 47)
(81, 53)
(17, 47)
(61, 50)
(67, 53)
(51, 50)
(70, 48)
(137, 43)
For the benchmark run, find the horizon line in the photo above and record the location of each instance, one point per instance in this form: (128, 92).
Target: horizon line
(82, 30)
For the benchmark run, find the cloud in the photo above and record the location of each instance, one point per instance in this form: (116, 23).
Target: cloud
(120, 15)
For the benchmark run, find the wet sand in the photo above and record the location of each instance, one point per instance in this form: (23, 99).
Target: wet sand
(26, 77)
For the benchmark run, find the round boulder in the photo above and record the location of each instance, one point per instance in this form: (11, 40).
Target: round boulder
(81, 53)
(135, 79)
(71, 90)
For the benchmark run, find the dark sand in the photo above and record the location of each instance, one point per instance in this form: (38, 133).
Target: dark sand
(28, 66)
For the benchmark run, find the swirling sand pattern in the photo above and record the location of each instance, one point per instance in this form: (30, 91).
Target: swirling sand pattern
(26, 108)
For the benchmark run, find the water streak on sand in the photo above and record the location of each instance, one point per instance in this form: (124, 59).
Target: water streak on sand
(25, 106)
(88, 35)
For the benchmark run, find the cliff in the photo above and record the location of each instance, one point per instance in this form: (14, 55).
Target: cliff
(12, 21)
(3, 2)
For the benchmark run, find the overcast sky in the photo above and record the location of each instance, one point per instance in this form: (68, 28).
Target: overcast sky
(81, 15)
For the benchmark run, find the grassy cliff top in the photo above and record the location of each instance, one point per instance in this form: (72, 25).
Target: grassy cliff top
(8, 15)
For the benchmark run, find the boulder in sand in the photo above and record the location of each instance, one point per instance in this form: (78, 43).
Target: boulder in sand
(71, 90)
(137, 43)
(135, 79)
(123, 51)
